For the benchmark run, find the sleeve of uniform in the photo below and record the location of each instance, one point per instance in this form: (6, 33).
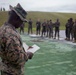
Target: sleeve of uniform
(15, 51)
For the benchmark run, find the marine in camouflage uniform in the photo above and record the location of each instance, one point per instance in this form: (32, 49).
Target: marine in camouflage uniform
(38, 27)
(44, 24)
(67, 30)
(22, 28)
(50, 29)
(74, 31)
(70, 29)
(57, 25)
(12, 52)
(30, 26)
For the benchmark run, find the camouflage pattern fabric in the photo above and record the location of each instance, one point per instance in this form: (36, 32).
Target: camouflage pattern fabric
(74, 31)
(12, 52)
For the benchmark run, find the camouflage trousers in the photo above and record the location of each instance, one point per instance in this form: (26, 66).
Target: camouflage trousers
(5, 73)
(5, 70)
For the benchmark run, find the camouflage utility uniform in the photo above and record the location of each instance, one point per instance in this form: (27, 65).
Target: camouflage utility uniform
(74, 31)
(43, 28)
(57, 25)
(30, 27)
(38, 27)
(11, 51)
(22, 28)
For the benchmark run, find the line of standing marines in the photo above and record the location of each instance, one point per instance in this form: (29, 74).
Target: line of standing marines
(44, 29)
(49, 29)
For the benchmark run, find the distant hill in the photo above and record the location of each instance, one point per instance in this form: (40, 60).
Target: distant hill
(42, 15)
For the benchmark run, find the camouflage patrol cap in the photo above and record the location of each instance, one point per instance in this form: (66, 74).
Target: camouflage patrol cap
(19, 11)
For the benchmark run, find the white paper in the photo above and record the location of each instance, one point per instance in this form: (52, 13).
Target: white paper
(25, 46)
(33, 50)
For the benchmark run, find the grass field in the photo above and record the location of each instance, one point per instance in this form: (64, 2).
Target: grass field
(42, 15)
(53, 58)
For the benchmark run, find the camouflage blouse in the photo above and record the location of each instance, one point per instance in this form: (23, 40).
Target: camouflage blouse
(12, 52)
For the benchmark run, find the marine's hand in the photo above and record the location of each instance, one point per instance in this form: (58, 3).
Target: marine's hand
(30, 55)
(30, 47)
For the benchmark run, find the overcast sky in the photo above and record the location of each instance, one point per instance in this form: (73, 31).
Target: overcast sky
(42, 5)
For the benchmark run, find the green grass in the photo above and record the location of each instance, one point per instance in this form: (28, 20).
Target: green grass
(53, 58)
(3, 17)
(42, 15)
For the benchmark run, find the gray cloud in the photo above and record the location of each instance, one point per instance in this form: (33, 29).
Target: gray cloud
(42, 5)
(66, 8)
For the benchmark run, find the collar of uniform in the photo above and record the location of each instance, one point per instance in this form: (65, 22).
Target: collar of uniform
(8, 24)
